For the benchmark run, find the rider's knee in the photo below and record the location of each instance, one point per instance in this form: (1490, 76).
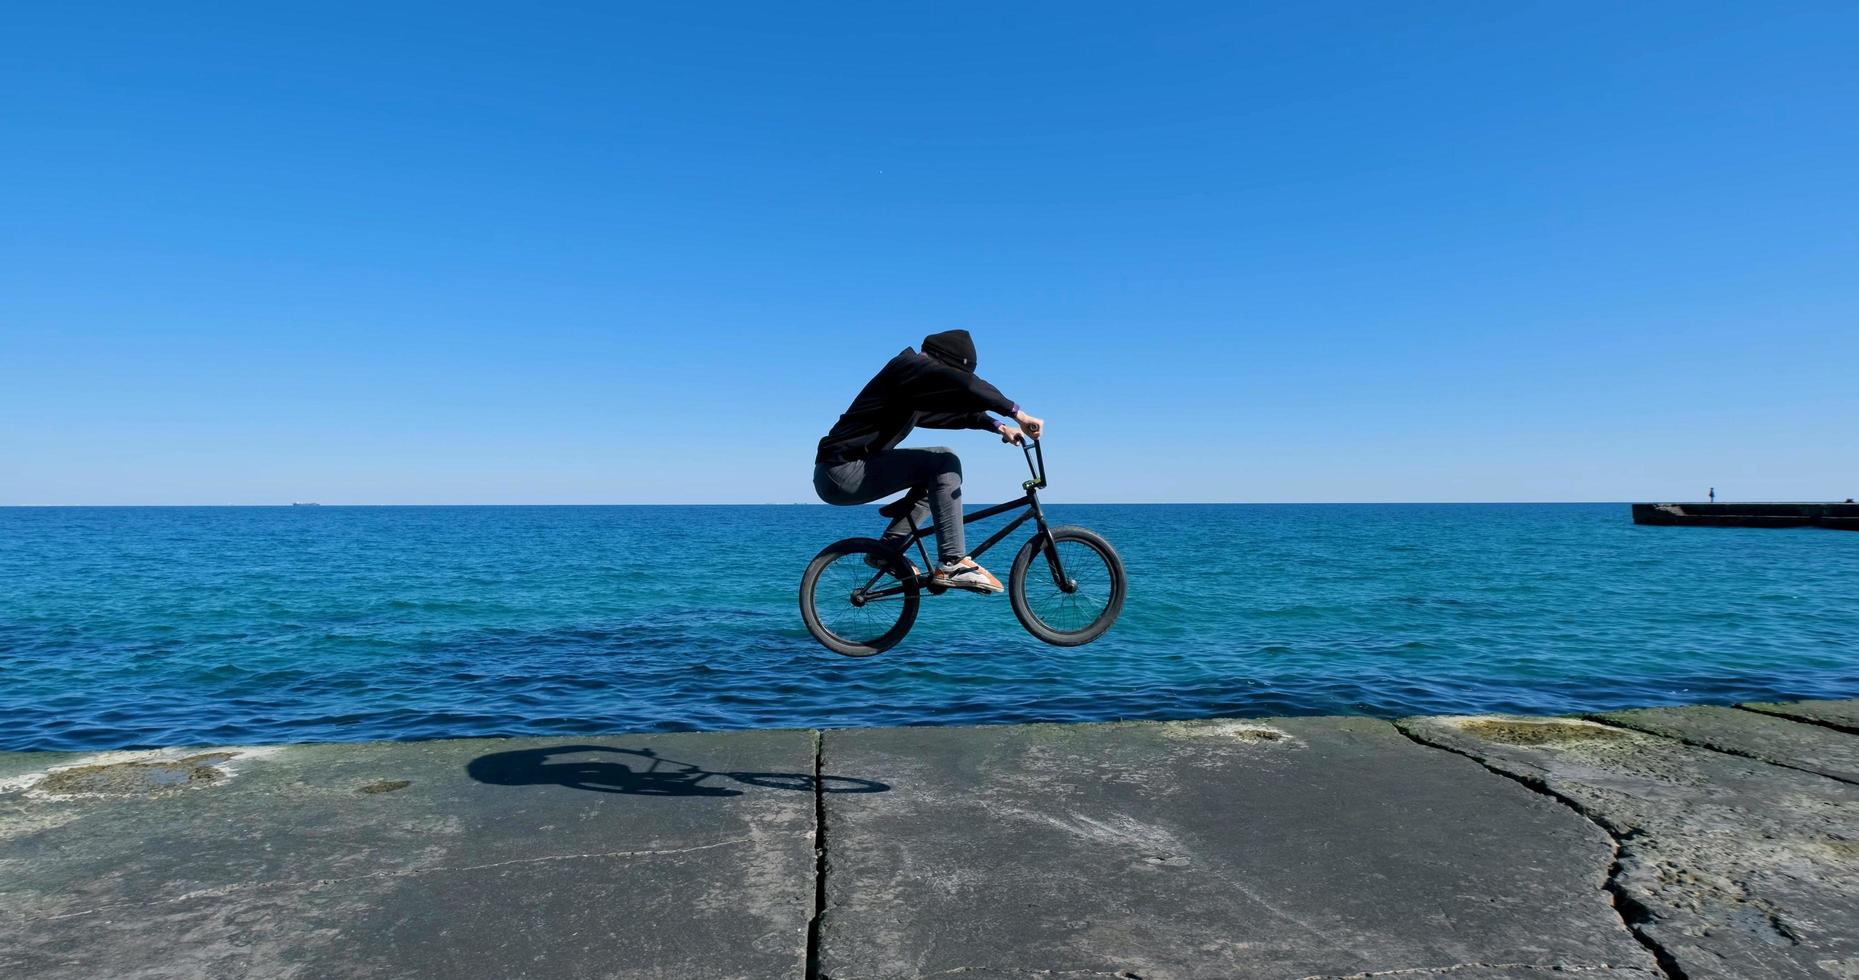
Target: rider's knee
(948, 462)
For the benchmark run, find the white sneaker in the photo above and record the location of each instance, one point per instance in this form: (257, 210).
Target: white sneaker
(965, 574)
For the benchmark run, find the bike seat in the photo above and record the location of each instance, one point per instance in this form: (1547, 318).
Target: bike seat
(904, 504)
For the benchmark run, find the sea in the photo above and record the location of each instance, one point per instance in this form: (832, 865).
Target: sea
(141, 627)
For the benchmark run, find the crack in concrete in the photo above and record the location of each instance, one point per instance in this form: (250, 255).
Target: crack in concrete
(1631, 911)
(1818, 722)
(1430, 971)
(1737, 753)
(819, 857)
(225, 890)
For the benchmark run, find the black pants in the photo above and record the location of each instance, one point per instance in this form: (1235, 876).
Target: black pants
(862, 481)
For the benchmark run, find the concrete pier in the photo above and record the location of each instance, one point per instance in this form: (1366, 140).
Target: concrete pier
(1687, 842)
(1844, 516)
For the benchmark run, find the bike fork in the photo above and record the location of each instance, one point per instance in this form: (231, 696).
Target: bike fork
(1051, 548)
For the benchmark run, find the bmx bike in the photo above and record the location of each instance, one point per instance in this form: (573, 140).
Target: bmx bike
(860, 596)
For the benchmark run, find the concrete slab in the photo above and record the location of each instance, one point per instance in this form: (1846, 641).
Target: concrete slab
(1784, 742)
(1733, 867)
(648, 856)
(1838, 714)
(1288, 848)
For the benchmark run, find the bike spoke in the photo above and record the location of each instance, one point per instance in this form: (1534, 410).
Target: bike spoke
(1075, 611)
(848, 576)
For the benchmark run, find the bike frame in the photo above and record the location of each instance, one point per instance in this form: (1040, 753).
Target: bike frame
(1036, 465)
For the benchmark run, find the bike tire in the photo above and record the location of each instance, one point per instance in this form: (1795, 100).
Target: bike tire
(859, 644)
(1108, 583)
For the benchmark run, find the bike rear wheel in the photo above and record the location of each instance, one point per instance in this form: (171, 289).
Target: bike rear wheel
(853, 608)
(1078, 609)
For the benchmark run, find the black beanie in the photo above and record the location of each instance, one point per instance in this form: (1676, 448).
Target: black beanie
(952, 347)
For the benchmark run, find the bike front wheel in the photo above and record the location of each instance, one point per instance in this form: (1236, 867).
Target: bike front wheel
(1067, 588)
(855, 607)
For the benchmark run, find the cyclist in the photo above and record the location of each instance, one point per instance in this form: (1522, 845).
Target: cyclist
(859, 462)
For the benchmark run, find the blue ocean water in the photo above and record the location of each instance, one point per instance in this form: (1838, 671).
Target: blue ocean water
(123, 627)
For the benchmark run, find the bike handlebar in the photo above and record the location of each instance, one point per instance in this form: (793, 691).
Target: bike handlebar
(1033, 453)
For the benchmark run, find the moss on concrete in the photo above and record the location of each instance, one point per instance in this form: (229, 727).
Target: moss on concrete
(1552, 732)
(120, 778)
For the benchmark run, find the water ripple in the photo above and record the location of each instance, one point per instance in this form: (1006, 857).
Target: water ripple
(125, 627)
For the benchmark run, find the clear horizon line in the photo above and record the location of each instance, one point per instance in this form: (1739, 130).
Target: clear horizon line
(809, 503)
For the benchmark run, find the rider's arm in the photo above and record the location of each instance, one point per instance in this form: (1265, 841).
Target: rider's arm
(941, 389)
(959, 420)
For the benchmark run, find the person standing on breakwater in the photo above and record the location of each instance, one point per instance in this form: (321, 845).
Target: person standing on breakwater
(1713, 495)
(859, 462)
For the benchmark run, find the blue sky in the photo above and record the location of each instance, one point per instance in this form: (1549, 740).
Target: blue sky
(461, 253)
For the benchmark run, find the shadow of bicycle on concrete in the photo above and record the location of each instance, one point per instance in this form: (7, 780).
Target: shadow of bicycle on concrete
(645, 773)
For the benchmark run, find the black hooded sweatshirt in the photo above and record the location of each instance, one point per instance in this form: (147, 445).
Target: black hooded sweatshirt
(914, 389)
